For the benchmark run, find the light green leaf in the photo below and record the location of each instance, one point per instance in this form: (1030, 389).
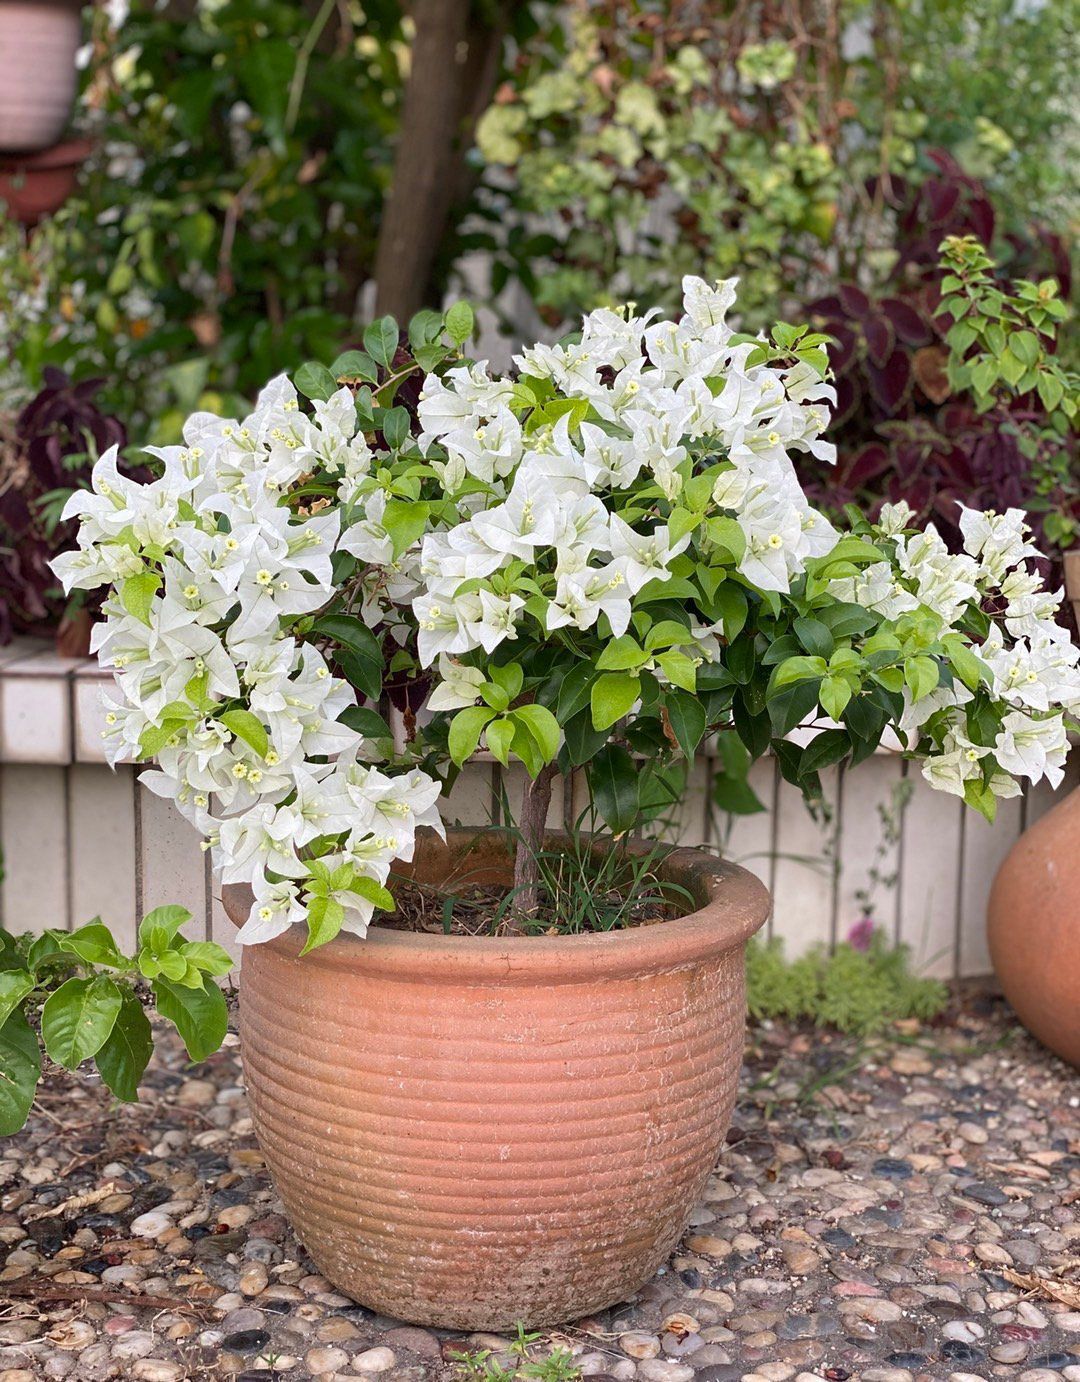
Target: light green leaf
(15, 984)
(500, 735)
(324, 918)
(541, 725)
(612, 696)
(126, 1052)
(94, 945)
(834, 694)
(247, 727)
(157, 928)
(921, 675)
(679, 669)
(373, 892)
(137, 595)
(460, 321)
(621, 654)
(77, 1019)
(465, 730)
(205, 955)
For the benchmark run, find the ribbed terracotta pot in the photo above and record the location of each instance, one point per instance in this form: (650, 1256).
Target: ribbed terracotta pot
(1034, 928)
(38, 43)
(471, 1132)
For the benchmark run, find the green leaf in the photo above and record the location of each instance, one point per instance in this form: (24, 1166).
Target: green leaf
(688, 720)
(94, 945)
(365, 721)
(465, 730)
(373, 892)
(725, 533)
(680, 669)
(126, 1052)
(381, 341)
(1051, 390)
(405, 521)
(207, 956)
(834, 695)
(792, 704)
(362, 658)
(542, 726)
(736, 796)
(201, 1016)
(967, 666)
(158, 928)
(353, 365)
(613, 783)
(324, 918)
(823, 750)
(247, 727)
(921, 675)
(460, 322)
(20, 1070)
(794, 669)
(15, 984)
(77, 1019)
(575, 690)
(315, 381)
(499, 736)
(395, 428)
(621, 654)
(814, 636)
(137, 595)
(612, 695)
(581, 740)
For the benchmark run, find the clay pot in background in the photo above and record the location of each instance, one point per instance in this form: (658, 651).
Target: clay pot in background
(33, 186)
(1034, 928)
(469, 1132)
(38, 43)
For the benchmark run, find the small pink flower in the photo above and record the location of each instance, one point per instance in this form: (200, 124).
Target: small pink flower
(861, 933)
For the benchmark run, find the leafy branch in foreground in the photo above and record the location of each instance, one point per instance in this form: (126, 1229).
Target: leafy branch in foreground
(82, 994)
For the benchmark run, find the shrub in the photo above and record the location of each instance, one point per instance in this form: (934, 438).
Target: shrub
(593, 564)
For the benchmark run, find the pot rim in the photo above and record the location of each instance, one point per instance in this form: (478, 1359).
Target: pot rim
(733, 904)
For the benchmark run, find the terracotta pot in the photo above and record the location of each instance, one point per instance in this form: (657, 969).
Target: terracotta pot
(33, 186)
(469, 1132)
(38, 43)
(1034, 928)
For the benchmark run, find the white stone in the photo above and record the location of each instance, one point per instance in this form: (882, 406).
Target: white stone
(375, 1360)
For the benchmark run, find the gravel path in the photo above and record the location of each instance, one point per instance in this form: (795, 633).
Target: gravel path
(890, 1211)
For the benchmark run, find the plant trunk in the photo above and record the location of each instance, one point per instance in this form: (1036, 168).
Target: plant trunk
(455, 64)
(535, 801)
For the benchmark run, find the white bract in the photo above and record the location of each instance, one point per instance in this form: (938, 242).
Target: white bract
(623, 516)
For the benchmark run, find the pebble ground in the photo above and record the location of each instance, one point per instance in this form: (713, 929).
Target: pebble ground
(902, 1210)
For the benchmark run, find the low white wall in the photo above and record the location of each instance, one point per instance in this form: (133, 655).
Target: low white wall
(80, 840)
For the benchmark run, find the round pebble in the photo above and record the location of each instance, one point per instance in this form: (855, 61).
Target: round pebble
(374, 1360)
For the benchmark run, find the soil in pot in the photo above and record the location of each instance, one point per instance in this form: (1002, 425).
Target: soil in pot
(470, 1131)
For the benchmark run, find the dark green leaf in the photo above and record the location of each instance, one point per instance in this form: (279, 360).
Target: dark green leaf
(687, 717)
(365, 721)
(381, 341)
(20, 1070)
(613, 783)
(201, 1016)
(124, 1056)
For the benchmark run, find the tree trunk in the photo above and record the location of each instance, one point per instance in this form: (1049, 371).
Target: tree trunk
(535, 801)
(455, 64)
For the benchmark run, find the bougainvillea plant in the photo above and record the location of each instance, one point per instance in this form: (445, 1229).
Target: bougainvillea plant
(46, 451)
(595, 562)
